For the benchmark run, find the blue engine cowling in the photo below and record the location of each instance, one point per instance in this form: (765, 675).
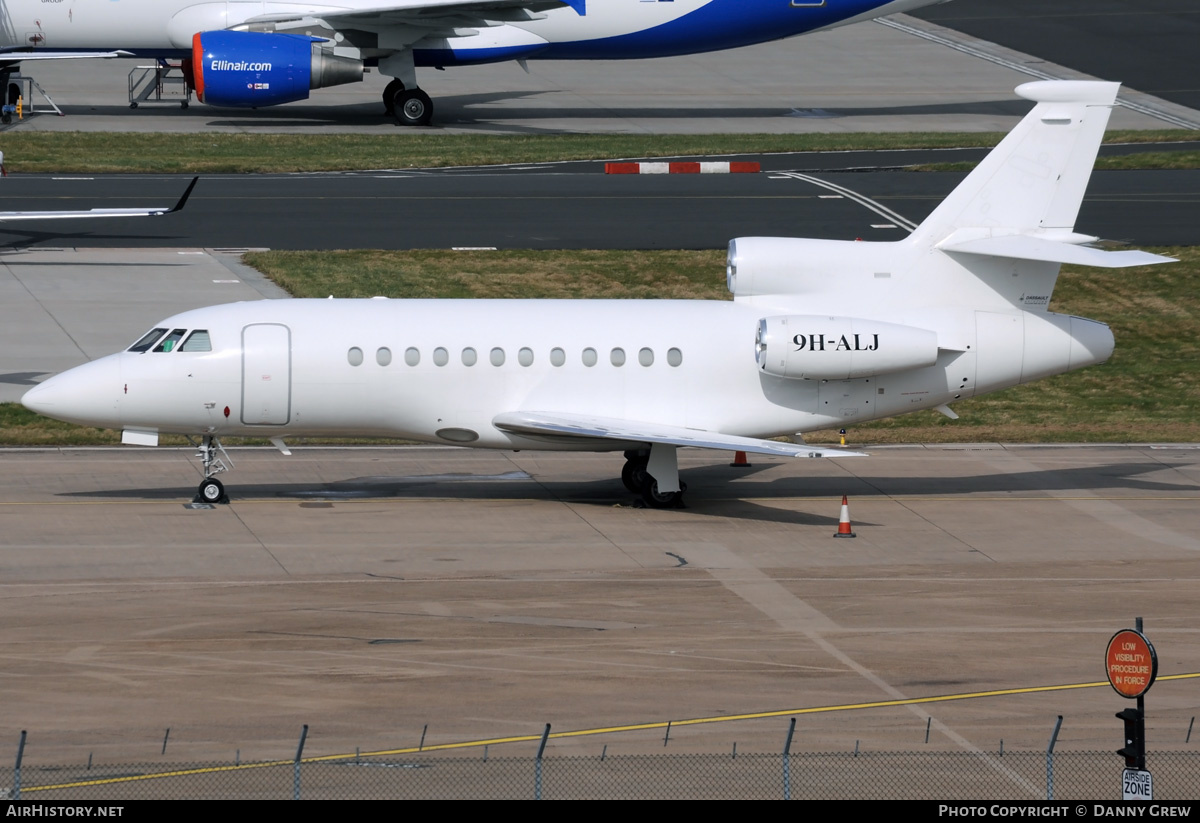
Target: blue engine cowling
(248, 69)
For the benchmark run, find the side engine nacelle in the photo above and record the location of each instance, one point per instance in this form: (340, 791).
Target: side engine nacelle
(247, 69)
(819, 347)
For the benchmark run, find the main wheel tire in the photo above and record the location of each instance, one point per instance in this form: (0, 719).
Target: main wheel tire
(413, 108)
(390, 91)
(634, 476)
(211, 491)
(661, 500)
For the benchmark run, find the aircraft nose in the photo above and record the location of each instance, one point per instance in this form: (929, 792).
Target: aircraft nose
(87, 394)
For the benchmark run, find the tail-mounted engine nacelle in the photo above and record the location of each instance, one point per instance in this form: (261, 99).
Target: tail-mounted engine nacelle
(819, 347)
(246, 69)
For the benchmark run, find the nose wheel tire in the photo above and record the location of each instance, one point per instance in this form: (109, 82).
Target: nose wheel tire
(211, 491)
(413, 108)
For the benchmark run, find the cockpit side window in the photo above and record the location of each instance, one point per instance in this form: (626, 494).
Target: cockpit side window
(147, 341)
(197, 341)
(171, 341)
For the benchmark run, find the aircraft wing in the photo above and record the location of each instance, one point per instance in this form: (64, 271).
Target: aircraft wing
(8, 216)
(564, 424)
(15, 56)
(411, 10)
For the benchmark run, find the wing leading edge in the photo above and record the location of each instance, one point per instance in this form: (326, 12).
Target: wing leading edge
(562, 424)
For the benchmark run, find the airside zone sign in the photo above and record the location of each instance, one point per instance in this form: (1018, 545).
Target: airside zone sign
(1131, 662)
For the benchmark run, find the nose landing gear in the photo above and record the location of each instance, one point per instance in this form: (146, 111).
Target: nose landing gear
(212, 490)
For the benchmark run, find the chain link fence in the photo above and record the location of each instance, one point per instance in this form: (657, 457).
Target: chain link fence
(1021, 776)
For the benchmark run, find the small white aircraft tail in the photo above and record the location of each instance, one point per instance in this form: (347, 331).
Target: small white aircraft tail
(1034, 180)
(995, 243)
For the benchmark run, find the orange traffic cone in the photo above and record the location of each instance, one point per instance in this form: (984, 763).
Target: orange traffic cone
(739, 461)
(844, 521)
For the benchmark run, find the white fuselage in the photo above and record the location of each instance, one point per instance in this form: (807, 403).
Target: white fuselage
(442, 370)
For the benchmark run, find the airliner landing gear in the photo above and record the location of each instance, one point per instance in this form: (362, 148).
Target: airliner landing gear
(394, 87)
(211, 490)
(412, 107)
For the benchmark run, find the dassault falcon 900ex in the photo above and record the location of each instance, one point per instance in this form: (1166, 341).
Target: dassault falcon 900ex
(255, 53)
(819, 333)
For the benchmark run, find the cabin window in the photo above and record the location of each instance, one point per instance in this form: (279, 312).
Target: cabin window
(148, 340)
(497, 356)
(557, 357)
(589, 357)
(169, 342)
(383, 356)
(674, 357)
(646, 357)
(197, 341)
(617, 357)
(354, 356)
(412, 355)
(469, 356)
(440, 356)
(525, 356)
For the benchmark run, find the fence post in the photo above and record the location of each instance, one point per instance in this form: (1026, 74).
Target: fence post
(16, 792)
(787, 761)
(1050, 759)
(537, 765)
(296, 763)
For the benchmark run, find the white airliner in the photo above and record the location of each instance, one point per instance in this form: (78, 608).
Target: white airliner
(820, 334)
(254, 53)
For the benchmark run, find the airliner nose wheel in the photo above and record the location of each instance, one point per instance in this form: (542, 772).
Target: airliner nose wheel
(412, 107)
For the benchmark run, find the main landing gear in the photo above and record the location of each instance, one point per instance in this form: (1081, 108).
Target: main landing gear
(635, 474)
(211, 490)
(410, 107)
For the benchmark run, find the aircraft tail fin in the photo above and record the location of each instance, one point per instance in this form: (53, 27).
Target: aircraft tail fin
(1034, 180)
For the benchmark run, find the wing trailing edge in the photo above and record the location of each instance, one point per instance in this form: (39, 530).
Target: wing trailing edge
(565, 424)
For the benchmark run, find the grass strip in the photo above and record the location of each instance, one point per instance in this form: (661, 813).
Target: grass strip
(31, 152)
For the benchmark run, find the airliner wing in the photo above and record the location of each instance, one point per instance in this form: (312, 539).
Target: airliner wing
(8, 216)
(562, 424)
(41, 54)
(393, 10)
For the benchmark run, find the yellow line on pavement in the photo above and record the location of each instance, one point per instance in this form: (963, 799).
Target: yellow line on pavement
(659, 724)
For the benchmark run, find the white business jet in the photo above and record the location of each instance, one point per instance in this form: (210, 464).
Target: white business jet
(254, 53)
(820, 333)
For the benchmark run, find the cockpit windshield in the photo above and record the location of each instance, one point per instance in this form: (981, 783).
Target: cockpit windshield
(150, 338)
(171, 340)
(196, 340)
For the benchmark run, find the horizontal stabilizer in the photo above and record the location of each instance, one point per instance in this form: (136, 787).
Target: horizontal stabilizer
(1027, 247)
(562, 424)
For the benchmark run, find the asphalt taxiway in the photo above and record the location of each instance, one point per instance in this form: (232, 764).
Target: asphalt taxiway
(368, 592)
(553, 206)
